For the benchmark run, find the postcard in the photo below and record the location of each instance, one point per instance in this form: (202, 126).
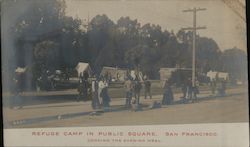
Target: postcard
(170, 73)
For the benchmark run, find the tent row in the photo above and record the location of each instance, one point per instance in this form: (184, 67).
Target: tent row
(119, 74)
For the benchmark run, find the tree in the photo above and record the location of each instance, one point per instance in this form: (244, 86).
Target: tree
(235, 63)
(47, 53)
(208, 54)
(29, 34)
(100, 28)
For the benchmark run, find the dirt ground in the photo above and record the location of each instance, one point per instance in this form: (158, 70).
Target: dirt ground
(209, 109)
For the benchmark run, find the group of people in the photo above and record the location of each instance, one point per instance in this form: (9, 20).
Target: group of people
(97, 88)
(133, 88)
(189, 90)
(100, 95)
(219, 85)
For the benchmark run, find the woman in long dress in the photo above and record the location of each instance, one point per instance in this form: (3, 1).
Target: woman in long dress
(168, 94)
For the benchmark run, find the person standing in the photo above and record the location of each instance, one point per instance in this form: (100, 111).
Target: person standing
(168, 94)
(184, 90)
(196, 90)
(85, 90)
(80, 88)
(137, 90)
(213, 86)
(189, 89)
(105, 96)
(86, 85)
(95, 99)
(147, 86)
(100, 88)
(16, 100)
(128, 87)
(222, 88)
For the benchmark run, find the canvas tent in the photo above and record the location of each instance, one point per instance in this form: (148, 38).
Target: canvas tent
(215, 74)
(82, 67)
(166, 73)
(117, 74)
(20, 70)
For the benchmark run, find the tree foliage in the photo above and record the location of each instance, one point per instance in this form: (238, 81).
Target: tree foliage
(59, 42)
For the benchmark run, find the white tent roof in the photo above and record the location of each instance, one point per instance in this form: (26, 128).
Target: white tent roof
(212, 75)
(20, 70)
(81, 67)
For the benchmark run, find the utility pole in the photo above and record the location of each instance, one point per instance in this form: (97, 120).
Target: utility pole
(194, 29)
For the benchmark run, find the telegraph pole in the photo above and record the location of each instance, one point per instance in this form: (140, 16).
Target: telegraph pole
(194, 29)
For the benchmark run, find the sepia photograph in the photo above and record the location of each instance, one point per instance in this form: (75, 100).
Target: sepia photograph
(90, 63)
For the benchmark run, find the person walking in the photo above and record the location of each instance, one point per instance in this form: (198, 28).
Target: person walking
(147, 88)
(128, 88)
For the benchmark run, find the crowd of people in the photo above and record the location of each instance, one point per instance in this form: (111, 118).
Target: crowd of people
(96, 89)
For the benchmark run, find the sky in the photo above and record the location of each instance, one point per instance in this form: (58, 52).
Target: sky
(223, 25)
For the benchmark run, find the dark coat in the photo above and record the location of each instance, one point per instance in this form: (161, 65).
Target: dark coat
(167, 96)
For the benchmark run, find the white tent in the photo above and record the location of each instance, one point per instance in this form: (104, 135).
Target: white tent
(221, 75)
(166, 73)
(82, 67)
(58, 71)
(20, 70)
(115, 73)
